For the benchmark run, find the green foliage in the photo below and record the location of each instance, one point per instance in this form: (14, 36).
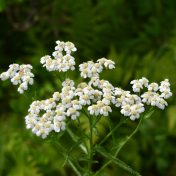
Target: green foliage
(138, 35)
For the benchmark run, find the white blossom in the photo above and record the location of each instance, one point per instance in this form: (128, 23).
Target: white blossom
(94, 110)
(104, 109)
(132, 106)
(154, 99)
(164, 88)
(153, 87)
(144, 81)
(94, 81)
(4, 76)
(137, 85)
(97, 96)
(107, 63)
(62, 62)
(44, 59)
(69, 47)
(56, 96)
(19, 75)
(73, 113)
(90, 69)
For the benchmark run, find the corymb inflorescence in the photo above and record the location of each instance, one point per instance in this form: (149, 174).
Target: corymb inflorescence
(19, 75)
(94, 95)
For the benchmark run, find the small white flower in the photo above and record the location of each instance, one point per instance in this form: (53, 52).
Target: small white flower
(120, 92)
(84, 100)
(60, 114)
(57, 55)
(164, 88)
(144, 81)
(56, 96)
(59, 125)
(44, 59)
(16, 79)
(4, 76)
(69, 47)
(137, 85)
(132, 111)
(90, 69)
(68, 82)
(49, 104)
(97, 95)
(147, 97)
(22, 87)
(154, 99)
(73, 113)
(94, 81)
(27, 80)
(94, 110)
(60, 46)
(153, 87)
(105, 110)
(126, 110)
(76, 104)
(166, 94)
(161, 103)
(107, 99)
(107, 63)
(131, 99)
(66, 102)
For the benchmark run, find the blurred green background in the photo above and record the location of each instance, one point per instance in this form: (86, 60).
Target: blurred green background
(139, 35)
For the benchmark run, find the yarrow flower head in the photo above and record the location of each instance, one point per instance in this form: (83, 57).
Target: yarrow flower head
(62, 62)
(156, 95)
(138, 85)
(19, 75)
(90, 69)
(165, 90)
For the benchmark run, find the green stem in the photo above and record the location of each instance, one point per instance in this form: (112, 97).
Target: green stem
(113, 130)
(130, 136)
(70, 160)
(74, 168)
(118, 162)
(91, 147)
(75, 139)
(97, 120)
(118, 150)
(91, 126)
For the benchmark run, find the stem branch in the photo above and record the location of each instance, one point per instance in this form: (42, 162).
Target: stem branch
(118, 150)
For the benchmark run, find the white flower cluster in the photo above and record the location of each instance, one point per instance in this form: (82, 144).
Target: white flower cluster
(138, 85)
(50, 114)
(97, 96)
(63, 61)
(19, 74)
(156, 95)
(90, 69)
(131, 104)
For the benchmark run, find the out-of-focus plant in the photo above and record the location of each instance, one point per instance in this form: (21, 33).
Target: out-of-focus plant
(89, 97)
